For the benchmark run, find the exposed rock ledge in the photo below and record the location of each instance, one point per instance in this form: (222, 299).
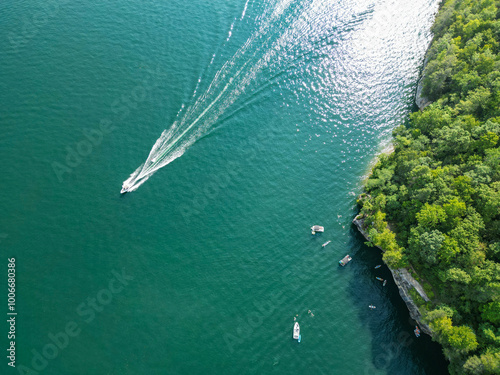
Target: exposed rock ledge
(420, 100)
(405, 282)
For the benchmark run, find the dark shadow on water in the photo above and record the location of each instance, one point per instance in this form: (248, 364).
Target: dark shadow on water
(395, 349)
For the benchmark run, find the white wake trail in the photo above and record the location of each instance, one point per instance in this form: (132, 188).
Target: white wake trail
(228, 84)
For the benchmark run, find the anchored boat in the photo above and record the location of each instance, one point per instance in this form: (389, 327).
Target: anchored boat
(326, 243)
(296, 331)
(317, 228)
(345, 260)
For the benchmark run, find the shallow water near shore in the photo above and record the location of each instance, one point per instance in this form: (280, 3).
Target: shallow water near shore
(214, 253)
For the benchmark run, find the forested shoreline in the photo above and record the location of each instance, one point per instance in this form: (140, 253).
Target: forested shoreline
(433, 204)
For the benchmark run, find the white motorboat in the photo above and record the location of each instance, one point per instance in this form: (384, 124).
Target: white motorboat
(317, 228)
(296, 331)
(345, 260)
(125, 188)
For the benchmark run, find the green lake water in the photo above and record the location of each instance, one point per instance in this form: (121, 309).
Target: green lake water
(285, 105)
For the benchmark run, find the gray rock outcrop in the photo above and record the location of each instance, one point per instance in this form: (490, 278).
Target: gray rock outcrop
(421, 101)
(405, 282)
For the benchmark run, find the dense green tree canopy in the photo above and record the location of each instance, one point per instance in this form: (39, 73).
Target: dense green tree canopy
(434, 203)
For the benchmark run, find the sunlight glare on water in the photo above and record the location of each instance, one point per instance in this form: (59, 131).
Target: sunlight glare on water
(261, 119)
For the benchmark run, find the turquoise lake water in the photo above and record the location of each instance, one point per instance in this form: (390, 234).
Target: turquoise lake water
(202, 269)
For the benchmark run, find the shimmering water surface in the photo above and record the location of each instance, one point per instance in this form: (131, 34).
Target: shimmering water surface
(266, 116)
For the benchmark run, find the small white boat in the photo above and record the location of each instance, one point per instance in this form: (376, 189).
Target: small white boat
(326, 243)
(345, 260)
(317, 228)
(372, 307)
(124, 189)
(296, 331)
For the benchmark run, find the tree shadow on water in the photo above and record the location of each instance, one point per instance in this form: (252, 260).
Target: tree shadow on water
(395, 348)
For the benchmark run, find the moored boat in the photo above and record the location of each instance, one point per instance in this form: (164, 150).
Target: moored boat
(317, 228)
(326, 243)
(345, 260)
(296, 331)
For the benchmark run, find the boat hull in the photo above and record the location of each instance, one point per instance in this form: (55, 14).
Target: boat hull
(296, 331)
(345, 260)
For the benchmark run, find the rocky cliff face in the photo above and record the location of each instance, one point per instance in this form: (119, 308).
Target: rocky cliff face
(405, 282)
(420, 100)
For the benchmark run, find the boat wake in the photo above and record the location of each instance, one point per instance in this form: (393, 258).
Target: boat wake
(283, 35)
